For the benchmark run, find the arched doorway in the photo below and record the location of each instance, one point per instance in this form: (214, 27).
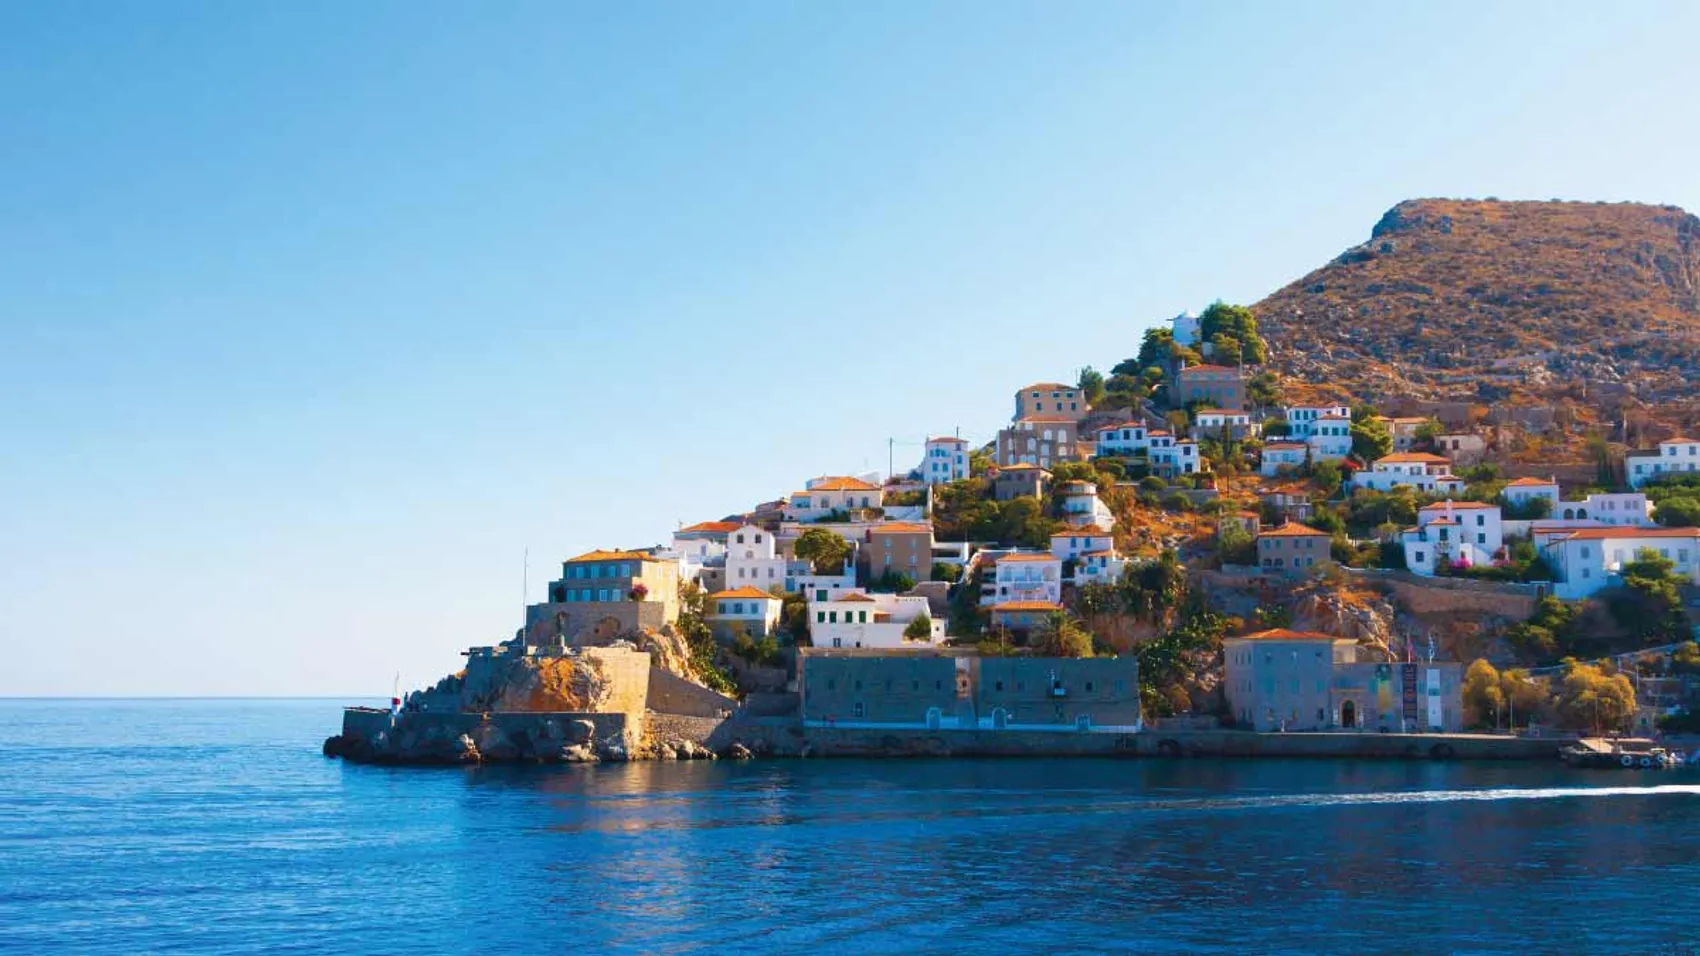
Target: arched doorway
(1000, 718)
(934, 718)
(1349, 714)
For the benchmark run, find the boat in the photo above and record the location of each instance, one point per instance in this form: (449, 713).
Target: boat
(1623, 754)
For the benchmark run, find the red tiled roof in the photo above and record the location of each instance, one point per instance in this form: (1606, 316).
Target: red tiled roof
(1294, 530)
(1413, 458)
(1283, 634)
(744, 592)
(901, 527)
(715, 526)
(1531, 483)
(1027, 606)
(613, 556)
(1089, 531)
(1457, 506)
(842, 484)
(1047, 556)
(1597, 534)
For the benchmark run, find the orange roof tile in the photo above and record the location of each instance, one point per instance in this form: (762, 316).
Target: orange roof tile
(1531, 483)
(1284, 634)
(857, 598)
(1026, 606)
(1679, 440)
(1413, 458)
(613, 556)
(744, 592)
(1047, 556)
(1206, 368)
(1020, 466)
(1087, 531)
(1293, 529)
(1041, 386)
(842, 484)
(1596, 534)
(1051, 419)
(715, 526)
(949, 439)
(902, 527)
(1284, 445)
(1458, 506)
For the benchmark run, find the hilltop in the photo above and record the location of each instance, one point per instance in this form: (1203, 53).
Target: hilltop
(1492, 302)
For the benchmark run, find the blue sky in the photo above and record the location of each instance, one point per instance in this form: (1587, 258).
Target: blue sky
(314, 316)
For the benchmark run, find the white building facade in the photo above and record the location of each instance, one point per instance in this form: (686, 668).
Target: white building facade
(860, 619)
(944, 460)
(1025, 577)
(1585, 561)
(1420, 470)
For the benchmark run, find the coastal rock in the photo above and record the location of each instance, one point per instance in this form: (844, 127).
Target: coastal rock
(579, 753)
(612, 752)
(583, 731)
(664, 752)
(738, 751)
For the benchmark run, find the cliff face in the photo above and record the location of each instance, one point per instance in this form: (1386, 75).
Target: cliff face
(1494, 301)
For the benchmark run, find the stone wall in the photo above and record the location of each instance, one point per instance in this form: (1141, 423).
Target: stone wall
(671, 694)
(424, 737)
(1419, 595)
(842, 742)
(594, 621)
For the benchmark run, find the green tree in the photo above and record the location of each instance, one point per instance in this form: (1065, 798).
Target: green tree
(1235, 322)
(1235, 545)
(1427, 432)
(1371, 439)
(1649, 605)
(1091, 384)
(794, 618)
(824, 549)
(1264, 390)
(1526, 698)
(1678, 512)
(692, 624)
(1686, 659)
(979, 461)
(919, 629)
(1484, 698)
(892, 582)
(949, 573)
(1060, 635)
(1328, 476)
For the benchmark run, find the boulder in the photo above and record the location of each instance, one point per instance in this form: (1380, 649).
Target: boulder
(738, 751)
(664, 752)
(578, 753)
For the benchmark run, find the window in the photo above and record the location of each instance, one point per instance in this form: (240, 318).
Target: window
(858, 709)
(740, 537)
(831, 684)
(820, 594)
(820, 617)
(1000, 685)
(832, 617)
(1089, 687)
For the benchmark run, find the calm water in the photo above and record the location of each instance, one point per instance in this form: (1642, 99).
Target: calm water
(216, 827)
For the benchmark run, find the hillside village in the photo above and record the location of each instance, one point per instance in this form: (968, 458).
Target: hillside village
(1207, 523)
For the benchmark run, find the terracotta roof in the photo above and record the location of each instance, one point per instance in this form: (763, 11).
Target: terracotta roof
(902, 527)
(1089, 531)
(1283, 634)
(613, 556)
(1531, 483)
(950, 439)
(1250, 514)
(857, 598)
(1052, 419)
(714, 526)
(1207, 368)
(1335, 418)
(1271, 446)
(1111, 552)
(1116, 426)
(843, 484)
(1218, 411)
(1041, 386)
(1294, 530)
(1020, 466)
(1458, 506)
(1413, 458)
(1443, 521)
(1679, 440)
(1154, 434)
(1027, 606)
(1047, 556)
(744, 592)
(1597, 534)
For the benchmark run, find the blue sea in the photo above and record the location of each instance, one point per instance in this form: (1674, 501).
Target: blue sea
(214, 826)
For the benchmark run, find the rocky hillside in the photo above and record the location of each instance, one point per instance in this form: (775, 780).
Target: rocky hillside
(1489, 301)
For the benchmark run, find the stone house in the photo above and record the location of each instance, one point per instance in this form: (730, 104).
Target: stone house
(753, 609)
(607, 592)
(1020, 481)
(1050, 399)
(1217, 385)
(933, 690)
(1039, 440)
(1293, 547)
(1284, 680)
(900, 547)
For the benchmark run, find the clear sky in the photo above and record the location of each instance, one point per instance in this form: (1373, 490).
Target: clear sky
(315, 315)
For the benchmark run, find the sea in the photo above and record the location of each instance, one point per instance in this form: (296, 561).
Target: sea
(215, 826)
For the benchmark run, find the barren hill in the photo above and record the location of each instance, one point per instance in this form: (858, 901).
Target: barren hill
(1491, 301)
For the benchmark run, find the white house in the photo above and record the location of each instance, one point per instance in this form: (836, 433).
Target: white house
(1330, 438)
(1462, 532)
(1302, 419)
(821, 587)
(1674, 454)
(755, 609)
(828, 495)
(1423, 471)
(1615, 509)
(1184, 328)
(1093, 552)
(1175, 457)
(1277, 455)
(1521, 490)
(860, 619)
(1210, 422)
(1125, 438)
(944, 460)
(1079, 541)
(1587, 560)
(1081, 505)
(701, 545)
(1025, 576)
(753, 559)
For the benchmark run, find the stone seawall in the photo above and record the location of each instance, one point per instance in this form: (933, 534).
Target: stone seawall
(843, 742)
(372, 735)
